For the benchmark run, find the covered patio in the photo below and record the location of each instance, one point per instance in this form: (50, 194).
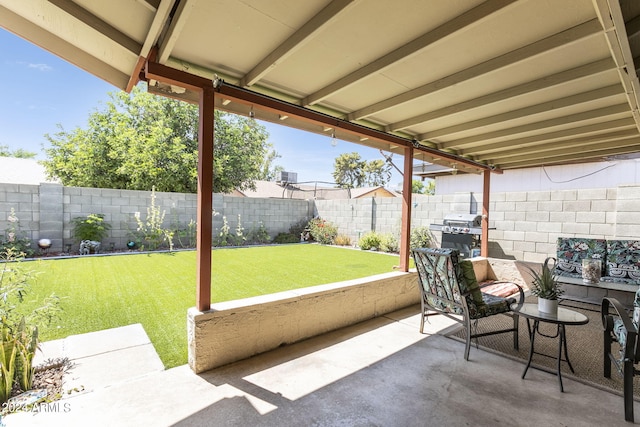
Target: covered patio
(479, 87)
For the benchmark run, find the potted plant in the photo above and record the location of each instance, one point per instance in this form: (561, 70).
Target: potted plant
(546, 287)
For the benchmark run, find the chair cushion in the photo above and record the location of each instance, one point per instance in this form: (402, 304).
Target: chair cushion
(571, 251)
(623, 261)
(470, 281)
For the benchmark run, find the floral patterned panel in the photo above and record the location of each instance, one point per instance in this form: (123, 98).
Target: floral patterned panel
(623, 261)
(570, 251)
(444, 283)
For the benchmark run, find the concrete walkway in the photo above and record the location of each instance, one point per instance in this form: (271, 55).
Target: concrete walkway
(382, 372)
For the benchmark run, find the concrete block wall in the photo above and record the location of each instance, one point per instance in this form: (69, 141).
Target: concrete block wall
(47, 211)
(523, 225)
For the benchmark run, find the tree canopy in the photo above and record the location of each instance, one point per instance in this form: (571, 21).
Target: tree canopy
(350, 171)
(140, 141)
(19, 153)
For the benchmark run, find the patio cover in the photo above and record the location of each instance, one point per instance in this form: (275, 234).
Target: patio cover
(482, 85)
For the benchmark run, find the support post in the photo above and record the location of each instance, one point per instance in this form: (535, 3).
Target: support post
(405, 233)
(484, 238)
(205, 198)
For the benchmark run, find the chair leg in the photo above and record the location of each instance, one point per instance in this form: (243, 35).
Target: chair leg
(628, 390)
(516, 324)
(606, 351)
(468, 339)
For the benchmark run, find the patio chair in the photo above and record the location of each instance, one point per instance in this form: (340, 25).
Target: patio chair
(449, 287)
(620, 328)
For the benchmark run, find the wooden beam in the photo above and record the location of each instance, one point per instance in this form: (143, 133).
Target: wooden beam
(578, 32)
(405, 232)
(277, 106)
(401, 53)
(155, 71)
(295, 41)
(486, 198)
(205, 199)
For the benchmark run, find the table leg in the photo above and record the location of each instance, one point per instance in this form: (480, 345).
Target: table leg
(561, 344)
(566, 355)
(532, 336)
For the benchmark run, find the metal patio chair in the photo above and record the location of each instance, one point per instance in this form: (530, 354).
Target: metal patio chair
(621, 328)
(449, 287)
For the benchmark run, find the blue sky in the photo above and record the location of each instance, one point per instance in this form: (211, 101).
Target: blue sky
(42, 91)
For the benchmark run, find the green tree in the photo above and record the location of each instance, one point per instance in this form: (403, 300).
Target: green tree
(417, 187)
(378, 172)
(18, 153)
(140, 141)
(350, 171)
(268, 170)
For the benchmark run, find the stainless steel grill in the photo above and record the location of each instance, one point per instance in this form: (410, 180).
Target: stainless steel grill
(462, 232)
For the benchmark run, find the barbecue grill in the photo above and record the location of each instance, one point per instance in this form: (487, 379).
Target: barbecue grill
(462, 232)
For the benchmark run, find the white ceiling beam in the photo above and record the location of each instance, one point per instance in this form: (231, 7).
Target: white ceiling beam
(556, 104)
(178, 21)
(612, 22)
(555, 41)
(159, 21)
(458, 23)
(52, 43)
(588, 70)
(98, 24)
(625, 123)
(577, 157)
(476, 140)
(295, 41)
(541, 149)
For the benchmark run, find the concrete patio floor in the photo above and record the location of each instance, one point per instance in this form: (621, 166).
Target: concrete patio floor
(382, 372)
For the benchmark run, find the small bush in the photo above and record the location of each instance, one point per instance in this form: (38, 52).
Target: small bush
(343, 240)
(93, 227)
(259, 235)
(283, 238)
(389, 243)
(297, 228)
(370, 240)
(322, 231)
(420, 238)
(14, 239)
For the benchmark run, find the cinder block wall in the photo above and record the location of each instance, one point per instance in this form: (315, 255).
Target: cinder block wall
(524, 225)
(46, 211)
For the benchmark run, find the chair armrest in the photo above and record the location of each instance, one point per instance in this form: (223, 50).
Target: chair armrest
(607, 318)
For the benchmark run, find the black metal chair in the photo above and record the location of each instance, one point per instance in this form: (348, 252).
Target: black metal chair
(620, 328)
(449, 287)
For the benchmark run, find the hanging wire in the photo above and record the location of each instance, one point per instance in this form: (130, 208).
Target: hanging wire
(578, 177)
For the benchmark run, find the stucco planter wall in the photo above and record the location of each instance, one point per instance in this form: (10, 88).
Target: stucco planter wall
(236, 330)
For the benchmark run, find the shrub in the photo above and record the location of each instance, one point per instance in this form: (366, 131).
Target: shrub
(370, 240)
(14, 240)
(420, 238)
(297, 228)
(92, 227)
(19, 327)
(343, 240)
(389, 243)
(151, 231)
(259, 235)
(282, 238)
(322, 231)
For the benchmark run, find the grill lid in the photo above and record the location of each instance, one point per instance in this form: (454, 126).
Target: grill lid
(468, 220)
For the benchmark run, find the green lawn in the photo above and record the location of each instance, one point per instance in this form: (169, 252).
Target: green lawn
(157, 289)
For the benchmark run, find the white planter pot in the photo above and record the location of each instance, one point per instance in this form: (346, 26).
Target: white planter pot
(548, 306)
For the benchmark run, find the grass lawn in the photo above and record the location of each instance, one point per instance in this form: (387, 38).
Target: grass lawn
(157, 289)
